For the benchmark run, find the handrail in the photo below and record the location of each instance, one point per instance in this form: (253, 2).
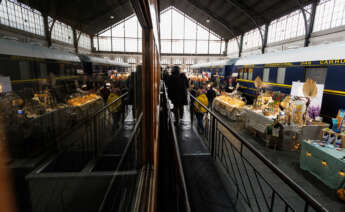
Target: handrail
(177, 151)
(89, 118)
(106, 107)
(123, 155)
(294, 186)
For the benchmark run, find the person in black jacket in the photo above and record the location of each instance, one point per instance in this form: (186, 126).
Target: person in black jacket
(177, 91)
(211, 94)
(105, 92)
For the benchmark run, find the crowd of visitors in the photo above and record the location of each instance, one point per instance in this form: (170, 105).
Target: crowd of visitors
(178, 86)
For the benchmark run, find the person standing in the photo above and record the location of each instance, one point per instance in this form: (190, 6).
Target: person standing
(211, 94)
(115, 108)
(177, 91)
(200, 110)
(105, 92)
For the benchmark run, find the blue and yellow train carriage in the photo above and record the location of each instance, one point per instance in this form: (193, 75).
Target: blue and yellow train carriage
(325, 64)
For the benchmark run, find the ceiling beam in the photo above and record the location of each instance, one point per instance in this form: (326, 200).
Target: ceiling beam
(106, 11)
(234, 32)
(249, 12)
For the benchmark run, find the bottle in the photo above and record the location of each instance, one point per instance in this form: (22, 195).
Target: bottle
(277, 129)
(277, 133)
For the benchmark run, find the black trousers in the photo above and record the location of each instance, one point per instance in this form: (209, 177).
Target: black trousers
(191, 111)
(178, 111)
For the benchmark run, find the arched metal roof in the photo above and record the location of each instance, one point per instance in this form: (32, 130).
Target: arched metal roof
(228, 18)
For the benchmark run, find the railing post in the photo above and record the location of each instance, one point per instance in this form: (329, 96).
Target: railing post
(213, 131)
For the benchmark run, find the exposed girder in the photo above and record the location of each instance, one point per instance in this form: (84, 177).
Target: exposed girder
(232, 31)
(249, 13)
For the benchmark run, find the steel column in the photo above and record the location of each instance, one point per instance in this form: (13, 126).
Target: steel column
(240, 46)
(264, 40)
(310, 26)
(48, 30)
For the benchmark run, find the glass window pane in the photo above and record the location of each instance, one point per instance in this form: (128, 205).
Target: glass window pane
(252, 39)
(250, 74)
(62, 32)
(104, 43)
(177, 46)
(21, 17)
(177, 25)
(222, 47)
(190, 29)
(213, 36)
(131, 45)
(165, 25)
(140, 45)
(139, 30)
(119, 30)
(189, 46)
(131, 27)
(84, 41)
(166, 46)
(202, 47)
(118, 44)
(245, 74)
(266, 74)
(106, 33)
(233, 46)
(95, 43)
(316, 74)
(281, 75)
(202, 33)
(215, 47)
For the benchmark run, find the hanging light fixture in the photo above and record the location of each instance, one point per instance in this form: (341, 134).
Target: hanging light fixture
(341, 173)
(111, 17)
(208, 20)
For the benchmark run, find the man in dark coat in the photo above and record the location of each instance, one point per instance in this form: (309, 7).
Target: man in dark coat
(105, 92)
(211, 94)
(177, 91)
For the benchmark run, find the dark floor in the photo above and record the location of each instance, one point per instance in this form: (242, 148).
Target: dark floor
(288, 162)
(206, 190)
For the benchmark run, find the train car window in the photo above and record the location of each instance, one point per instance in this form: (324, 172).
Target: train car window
(316, 74)
(266, 74)
(245, 74)
(281, 75)
(241, 74)
(24, 69)
(250, 74)
(43, 70)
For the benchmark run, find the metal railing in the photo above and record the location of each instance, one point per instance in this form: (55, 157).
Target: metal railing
(121, 191)
(258, 184)
(90, 134)
(182, 199)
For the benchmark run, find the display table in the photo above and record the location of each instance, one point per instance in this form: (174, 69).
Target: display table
(232, 112)
(257, 120)
(227, 110)
(28, 137)
(291, 135)
(324, 163)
